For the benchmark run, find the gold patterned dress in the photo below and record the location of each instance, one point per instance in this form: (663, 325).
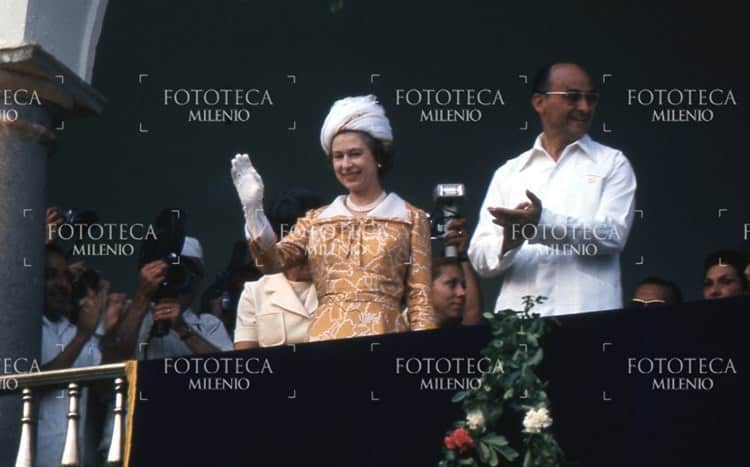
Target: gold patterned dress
(365, 269)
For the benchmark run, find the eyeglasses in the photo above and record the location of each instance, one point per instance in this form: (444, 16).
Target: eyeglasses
(644, 303)
(592, 97)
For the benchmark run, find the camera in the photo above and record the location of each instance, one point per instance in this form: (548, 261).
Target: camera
(169, 228)
(86, 279)
(82, 281)
(448, 198)
(75, 216)
(177, 279)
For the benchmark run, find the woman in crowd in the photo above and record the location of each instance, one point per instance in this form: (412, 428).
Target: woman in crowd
(368, 251)
(723, 275)
(276, 309)
(455, 288)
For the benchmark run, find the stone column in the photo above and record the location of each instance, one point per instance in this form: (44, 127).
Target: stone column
(37, 93)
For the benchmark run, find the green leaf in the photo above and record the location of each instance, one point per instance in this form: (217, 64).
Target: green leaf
(536, 358)
(459, 396)
(488, 315)
(484, 452)
(495, 440)
(493, 458)
(527, 458)
(515, 374)
(510, 331)
(532, 340)
(508, 453)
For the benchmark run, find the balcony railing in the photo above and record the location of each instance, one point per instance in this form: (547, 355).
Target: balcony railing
(29, 384)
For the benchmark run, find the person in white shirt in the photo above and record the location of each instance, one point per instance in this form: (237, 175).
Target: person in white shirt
(65, 345)
(189, 333)
(556, 218)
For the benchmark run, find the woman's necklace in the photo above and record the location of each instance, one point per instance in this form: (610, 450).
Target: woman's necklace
(365, 208)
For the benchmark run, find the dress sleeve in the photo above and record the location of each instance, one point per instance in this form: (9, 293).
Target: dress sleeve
(288, 252)
(246, 329)
(418, 280)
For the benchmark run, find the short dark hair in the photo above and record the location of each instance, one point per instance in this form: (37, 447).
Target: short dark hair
(540, 83)
(675, 290)
(438, 262)
(730, 258)
(383, 151)
(290, 206)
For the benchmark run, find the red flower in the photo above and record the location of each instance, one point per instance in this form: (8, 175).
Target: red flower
(449, 443)
(459, 439)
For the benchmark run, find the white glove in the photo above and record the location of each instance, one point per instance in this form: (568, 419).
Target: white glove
(249, 188)
(248, 183)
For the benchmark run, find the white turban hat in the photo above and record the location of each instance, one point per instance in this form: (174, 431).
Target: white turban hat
(360, 113)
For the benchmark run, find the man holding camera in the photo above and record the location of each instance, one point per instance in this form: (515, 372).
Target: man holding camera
(567, 248)
(171, 328)
(71, 338)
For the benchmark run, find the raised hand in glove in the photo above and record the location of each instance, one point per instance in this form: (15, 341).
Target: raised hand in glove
(249, 188)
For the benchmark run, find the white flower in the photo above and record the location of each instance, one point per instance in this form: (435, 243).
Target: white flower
(536, 419)
(475, 420)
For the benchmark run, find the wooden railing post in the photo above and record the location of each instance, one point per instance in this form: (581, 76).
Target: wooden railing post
(114, 457)
(25, 456)
(71, 454)
(74, 379)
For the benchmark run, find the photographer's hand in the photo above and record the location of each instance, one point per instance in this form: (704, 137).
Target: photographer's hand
(115, 310)
(169, 309)
(457, 234)
(54, 221)
(151, 277)
(88, 318)
(92, 309)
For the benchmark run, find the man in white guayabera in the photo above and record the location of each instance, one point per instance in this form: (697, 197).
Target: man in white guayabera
(556, 218)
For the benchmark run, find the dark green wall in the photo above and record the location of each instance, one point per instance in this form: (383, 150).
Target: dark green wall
(686, 171)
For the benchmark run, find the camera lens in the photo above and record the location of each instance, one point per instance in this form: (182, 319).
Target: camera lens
(178, 276)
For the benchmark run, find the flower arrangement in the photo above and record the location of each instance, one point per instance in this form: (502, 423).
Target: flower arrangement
(473, 440)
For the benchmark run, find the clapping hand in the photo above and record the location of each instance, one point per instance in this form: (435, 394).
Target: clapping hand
(525, 213)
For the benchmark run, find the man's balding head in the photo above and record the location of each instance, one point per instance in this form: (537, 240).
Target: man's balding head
(564, 96)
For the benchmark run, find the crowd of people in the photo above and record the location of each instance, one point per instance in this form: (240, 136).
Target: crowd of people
(726, 273)
(553, 223)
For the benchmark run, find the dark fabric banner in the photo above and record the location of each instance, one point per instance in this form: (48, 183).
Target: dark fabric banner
(656, 386)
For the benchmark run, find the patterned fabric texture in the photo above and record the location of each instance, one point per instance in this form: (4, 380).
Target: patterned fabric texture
(365, 269)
